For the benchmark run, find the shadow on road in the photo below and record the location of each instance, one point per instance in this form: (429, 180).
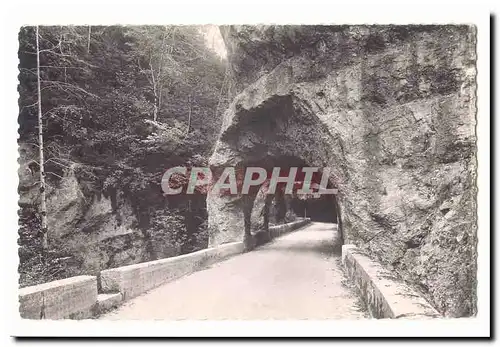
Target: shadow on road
(325, 248)
(322, 240)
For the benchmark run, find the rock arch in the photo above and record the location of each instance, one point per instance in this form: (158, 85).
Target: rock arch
(279, 132)
(390, 110)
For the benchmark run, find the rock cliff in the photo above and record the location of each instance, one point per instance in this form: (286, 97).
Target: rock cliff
(88, 233)
(391, 111)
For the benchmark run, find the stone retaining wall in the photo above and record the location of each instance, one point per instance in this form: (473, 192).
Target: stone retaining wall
(136, 279)
(77, 297)
(385, 295)
(274, 231)
(73, 297)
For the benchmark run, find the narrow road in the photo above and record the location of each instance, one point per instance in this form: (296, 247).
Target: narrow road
(296, 276)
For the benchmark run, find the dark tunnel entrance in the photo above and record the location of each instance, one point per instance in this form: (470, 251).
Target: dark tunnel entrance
(283, 134)
(263, 209)
(319, 209)
(284, 208)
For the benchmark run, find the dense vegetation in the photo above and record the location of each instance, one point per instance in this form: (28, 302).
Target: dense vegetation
(120, 106)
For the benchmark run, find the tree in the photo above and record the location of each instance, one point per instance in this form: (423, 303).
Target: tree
(118, 106)
(62, 60)
(43, 196)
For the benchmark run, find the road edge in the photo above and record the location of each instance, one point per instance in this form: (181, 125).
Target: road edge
(385, 295)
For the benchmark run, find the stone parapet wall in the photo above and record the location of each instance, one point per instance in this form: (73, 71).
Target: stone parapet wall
(73, 297)
(385, 295)
(136, 279)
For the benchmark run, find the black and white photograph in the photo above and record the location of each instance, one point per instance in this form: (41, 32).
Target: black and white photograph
(249, 172)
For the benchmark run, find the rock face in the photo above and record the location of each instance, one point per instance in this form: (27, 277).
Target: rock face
(391, 111)
(89, 233)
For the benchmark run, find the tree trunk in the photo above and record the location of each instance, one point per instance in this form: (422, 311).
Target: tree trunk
(189, 116)
(43, 203)
(155, 109)
(88, 40)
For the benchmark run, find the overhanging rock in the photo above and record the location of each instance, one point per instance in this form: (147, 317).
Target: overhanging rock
(391, 111)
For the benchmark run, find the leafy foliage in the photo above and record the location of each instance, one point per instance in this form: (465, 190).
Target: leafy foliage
(120, 106)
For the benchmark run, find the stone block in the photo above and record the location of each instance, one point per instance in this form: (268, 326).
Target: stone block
(134, 280)
(106, 302)
(73, 297)
(385, 294)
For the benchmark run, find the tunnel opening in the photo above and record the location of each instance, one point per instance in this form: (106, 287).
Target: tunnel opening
(263, 209)
(281, 132)
(319, 209)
